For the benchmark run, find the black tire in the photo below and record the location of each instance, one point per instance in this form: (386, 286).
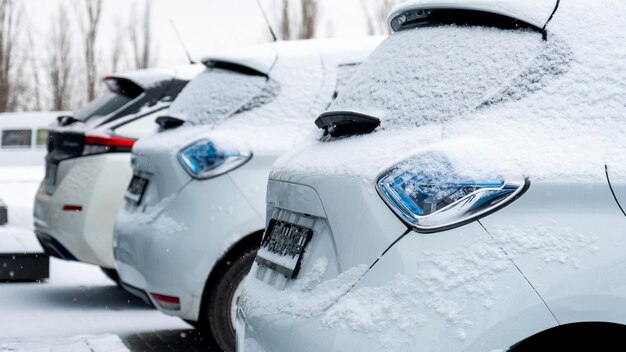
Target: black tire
(112, 274)
(216, 312)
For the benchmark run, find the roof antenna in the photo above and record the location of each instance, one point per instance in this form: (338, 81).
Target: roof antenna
(182, 43)
(267, 21)
(543, 30)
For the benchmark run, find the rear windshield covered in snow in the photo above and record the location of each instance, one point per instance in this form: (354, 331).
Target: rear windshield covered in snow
(436, 73)
(218, 93)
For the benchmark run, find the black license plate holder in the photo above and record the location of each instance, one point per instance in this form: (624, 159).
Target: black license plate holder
(283, 246)
(136, 189)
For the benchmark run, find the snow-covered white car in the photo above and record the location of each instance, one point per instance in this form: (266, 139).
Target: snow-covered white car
(88, 163)
(195, 208)
(466, 192)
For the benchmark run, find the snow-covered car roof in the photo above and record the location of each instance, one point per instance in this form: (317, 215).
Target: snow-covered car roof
(262, 57)
(146, 79)
(534, 12)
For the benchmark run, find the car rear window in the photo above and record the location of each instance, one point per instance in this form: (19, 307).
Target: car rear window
(218, 93)
(120, 92)
(436, 73)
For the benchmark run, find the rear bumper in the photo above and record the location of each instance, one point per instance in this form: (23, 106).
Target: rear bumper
(454, 291)
(136, 291)
(171, 247)
(53, 247)
(96, 186)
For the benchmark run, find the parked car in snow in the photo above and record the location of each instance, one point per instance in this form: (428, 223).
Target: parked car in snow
(464, 194)
(24, 137)
(88, 163)
(196, 205)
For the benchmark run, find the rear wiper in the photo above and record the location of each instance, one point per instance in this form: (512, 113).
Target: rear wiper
(65, 120)
(168, 122)
(346, 123)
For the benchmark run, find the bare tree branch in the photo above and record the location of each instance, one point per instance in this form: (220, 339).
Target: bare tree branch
(59, 68)
(11, 81)
(140, 36)
(308, 21)
(299, 22)
(376, 14)
(118, 45)
(88, 14)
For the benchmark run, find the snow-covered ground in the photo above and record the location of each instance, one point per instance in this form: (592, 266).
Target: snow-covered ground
(78, 308)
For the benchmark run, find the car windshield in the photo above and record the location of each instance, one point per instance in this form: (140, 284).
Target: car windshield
(432, 74)
(218, 93)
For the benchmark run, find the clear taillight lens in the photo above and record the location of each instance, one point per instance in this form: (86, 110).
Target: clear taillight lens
(430, 195)
(203, 159)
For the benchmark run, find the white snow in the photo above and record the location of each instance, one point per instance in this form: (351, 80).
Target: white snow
(306, 297)
(214, 95)
(444, 282)
(78, 308)
(101, 343)
(292, 99)
(568, 123)
(166, 225)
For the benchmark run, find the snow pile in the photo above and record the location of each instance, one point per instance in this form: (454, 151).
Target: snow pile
(552, 244)
(103, 343)
(166, 225)
(306, 297)
(444, 283)
(135, 221)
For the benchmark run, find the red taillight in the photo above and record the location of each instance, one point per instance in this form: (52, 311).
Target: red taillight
(74, 208)
(167, 302)
(109, 141)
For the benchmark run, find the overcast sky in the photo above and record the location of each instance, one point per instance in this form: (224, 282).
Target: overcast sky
(205, 25)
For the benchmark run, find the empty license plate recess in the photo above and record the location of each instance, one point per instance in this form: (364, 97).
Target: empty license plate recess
(136, 189)
(282, 247)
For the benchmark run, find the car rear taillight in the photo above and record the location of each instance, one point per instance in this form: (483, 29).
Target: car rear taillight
(166, 302)
(98, 144)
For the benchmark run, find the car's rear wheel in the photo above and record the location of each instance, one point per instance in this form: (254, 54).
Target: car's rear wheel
(111, 274)
(219, 310)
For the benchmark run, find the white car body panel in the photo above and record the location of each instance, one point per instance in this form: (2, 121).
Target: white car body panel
(572, 258)
(218, 213)
(97, 184)
(551, 257)
(87, 182)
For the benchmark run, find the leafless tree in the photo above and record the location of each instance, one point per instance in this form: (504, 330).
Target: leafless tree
(59, 64)
(308, 21)
(285, 22)
(140, 34)
(117, 47)
(11, 79)
(376, 12)
(298, 22)
(36, 96)
(88, 14)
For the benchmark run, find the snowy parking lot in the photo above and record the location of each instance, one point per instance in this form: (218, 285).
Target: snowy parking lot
(78, 308)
